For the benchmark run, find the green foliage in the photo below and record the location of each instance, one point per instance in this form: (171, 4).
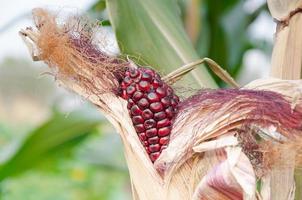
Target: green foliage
(151, 32)
(66, 158)
(58, 134)
(97, 11)
(224, 33)
(98, 7)
(72, 180)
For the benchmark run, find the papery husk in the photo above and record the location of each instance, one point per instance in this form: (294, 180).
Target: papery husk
(287, 52)
(224, 122)
(228, 178)
(280, 9)
(279, 182)
(286, 64)
(203, 138)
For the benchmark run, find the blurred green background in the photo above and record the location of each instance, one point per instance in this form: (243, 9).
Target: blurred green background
(54, 144)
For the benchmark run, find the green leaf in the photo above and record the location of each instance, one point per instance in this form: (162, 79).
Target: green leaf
(57, 134)
(224, 35)
(97, 11)
(99, 6)
(105, 23)
(151, 33)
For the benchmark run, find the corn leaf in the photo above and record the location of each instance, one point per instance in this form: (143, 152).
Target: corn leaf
(151, 33)
(56, 135)
(224, 34)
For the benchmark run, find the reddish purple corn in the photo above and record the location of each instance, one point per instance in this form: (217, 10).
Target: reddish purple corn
(152, 105)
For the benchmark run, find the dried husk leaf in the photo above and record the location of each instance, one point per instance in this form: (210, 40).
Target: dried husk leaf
(287, 52)
(197, 142)
(279, 183)
(286, 64)
(280, 9)
(231, 179)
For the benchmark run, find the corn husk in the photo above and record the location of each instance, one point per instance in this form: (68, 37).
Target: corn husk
(287, 53)
(207, 156)
(286, 64)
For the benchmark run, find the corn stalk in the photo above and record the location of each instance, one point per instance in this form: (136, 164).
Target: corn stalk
(286, 64)
(222, 141)
(287, 53)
